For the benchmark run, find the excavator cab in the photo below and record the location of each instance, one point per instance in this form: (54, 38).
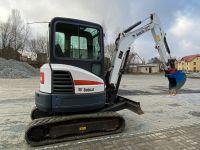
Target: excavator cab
(77, 43)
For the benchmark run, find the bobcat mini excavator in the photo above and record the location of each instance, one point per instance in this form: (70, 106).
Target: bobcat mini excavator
(76, 100)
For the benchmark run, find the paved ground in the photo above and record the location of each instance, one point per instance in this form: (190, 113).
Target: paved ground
(179, 138)
(162, 111)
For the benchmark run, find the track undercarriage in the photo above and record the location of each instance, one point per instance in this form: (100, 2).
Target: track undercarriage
(53, 128)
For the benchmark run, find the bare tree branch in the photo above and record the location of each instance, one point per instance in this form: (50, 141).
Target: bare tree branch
(14, 32)
(38, 45)
(109, 50)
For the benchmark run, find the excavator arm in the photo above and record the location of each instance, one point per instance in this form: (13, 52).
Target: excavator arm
(127, 38)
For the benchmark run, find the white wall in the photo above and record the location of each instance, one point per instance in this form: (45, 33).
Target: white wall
(147, 69)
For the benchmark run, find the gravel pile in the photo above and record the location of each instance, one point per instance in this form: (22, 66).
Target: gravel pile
(15, 69)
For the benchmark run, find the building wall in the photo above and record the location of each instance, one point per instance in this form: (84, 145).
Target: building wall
(144, 68)
(194, 64)
(133, 69)
(180, 65)
(148, 69)
(190, 66)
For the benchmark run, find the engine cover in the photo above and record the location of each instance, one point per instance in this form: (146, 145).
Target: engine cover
(69, 89)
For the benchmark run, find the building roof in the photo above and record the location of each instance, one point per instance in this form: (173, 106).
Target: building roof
(190, 57)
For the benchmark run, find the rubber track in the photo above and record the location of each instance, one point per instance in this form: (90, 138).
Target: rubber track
(57, 119)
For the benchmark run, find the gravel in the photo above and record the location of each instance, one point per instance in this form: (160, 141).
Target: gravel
(15, 69)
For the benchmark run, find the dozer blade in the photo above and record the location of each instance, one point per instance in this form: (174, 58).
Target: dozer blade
(56, 129)
(176, 80)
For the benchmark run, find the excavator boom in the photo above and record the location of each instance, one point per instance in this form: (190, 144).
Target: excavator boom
(128, 37)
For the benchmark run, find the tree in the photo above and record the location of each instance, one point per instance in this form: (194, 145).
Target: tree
(38, 45)
(5, 34)
(109, 50)
(155, 60)
(14, 32)
(130, 57)
(19, 30)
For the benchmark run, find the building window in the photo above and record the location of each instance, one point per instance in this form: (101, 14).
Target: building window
(194, 69)
(194, 63)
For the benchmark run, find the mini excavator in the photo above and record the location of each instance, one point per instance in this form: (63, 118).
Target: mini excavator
(76, 98)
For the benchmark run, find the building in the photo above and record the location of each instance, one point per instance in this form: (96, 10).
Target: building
(144, 68)
(189, 63)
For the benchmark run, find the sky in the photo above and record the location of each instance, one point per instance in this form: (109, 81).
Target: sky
(180, 19)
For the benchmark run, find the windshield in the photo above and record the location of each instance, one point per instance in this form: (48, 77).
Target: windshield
(77, 42)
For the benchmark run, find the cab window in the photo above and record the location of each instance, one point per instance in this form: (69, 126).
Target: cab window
(77, 42)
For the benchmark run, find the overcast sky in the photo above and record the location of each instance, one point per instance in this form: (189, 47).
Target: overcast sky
(180, 19)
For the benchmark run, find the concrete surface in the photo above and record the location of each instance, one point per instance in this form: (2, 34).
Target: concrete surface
(179, 138)
(162, 111)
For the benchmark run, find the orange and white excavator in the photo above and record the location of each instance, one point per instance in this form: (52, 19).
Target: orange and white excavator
(76, 99)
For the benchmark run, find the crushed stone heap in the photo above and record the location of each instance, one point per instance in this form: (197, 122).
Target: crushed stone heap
(15, 69)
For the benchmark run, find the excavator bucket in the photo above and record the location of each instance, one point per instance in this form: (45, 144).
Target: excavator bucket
(176, 80)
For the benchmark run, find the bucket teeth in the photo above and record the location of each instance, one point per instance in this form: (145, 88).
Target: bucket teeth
(172, 92)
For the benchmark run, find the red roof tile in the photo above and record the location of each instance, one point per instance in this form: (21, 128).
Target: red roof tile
(190, 57)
